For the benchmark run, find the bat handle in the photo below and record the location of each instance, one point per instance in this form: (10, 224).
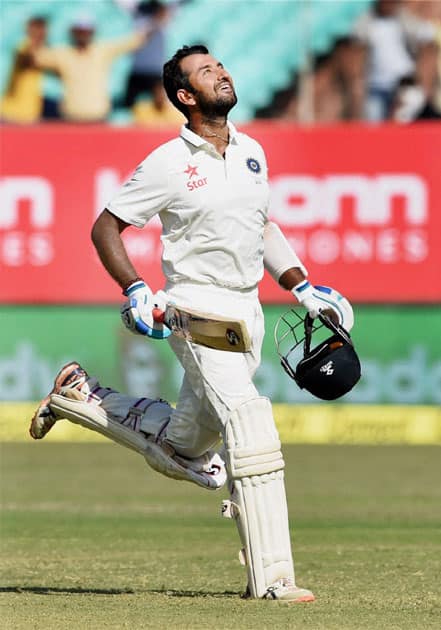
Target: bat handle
(158, 315)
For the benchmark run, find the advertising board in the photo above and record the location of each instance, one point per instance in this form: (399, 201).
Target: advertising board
(398, 348)
(359, 204)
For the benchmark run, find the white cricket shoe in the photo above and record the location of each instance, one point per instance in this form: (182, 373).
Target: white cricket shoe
(70, 377)
(285, 590)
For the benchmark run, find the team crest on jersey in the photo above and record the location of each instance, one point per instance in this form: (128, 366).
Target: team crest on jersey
(253, 165)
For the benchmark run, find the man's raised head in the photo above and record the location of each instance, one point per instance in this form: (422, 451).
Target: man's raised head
(175, 78)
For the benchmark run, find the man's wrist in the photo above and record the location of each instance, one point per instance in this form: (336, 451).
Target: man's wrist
(292, 277)
(133, 285)
(302, 290)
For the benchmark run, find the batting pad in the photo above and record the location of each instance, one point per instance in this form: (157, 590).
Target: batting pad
(157, 455)
(258, 502)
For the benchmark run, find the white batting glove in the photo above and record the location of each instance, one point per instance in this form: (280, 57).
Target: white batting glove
(317, 299)
(136, 313)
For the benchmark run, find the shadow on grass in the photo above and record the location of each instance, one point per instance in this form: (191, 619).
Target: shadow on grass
(75, 590)
(180, 593)
(53, 590)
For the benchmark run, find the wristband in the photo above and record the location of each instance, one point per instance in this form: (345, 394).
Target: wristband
(137, 283)
(302, 290)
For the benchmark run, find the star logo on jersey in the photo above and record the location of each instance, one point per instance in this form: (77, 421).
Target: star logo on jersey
(191, 171)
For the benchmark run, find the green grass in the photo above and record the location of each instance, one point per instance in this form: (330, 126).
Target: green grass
(92, 539)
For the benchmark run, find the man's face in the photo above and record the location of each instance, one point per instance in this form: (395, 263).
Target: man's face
(388, 8)
(81, 36)
(213, 89)
(37, 32)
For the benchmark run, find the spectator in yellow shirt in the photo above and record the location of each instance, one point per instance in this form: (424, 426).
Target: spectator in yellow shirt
(23, 100)
(84, 68)
(157, 112)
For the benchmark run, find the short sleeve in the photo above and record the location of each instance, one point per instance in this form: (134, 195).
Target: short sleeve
(422, 32)
(264, 173)
(144, 194)
(256, 150)
(362, 27)
(264, 163)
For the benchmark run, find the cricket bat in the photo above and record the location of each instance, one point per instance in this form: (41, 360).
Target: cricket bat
(205, 329)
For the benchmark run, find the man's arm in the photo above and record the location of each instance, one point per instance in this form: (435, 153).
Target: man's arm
(283, 264)
(137, 312)
(106, 236)
(131, 42)
(46, 58)
(291, 278)
(280, 260)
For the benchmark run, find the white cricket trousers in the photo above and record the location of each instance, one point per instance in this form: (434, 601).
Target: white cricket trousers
(215, 381)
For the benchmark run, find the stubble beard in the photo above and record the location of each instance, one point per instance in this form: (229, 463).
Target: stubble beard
(219, 107)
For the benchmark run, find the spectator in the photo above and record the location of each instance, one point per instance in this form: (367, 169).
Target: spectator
(417, 19)
(84, 67)
(436, 21)
(158, 111)
(349, 66)
(332, 91)
(410, 103)
(430, 11)
(23, 101)
(325, 96)
(393, 44)
(148, 60)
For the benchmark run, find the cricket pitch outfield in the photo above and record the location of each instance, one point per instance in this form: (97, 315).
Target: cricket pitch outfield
(93, 539)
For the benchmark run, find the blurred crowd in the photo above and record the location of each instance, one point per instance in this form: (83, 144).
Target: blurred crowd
(387, 68)
(83, 67)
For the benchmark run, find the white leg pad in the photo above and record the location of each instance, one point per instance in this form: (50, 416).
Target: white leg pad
(255, 468)
(208, 471)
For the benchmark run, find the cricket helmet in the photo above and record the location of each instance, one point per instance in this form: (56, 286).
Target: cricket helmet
(331, 368)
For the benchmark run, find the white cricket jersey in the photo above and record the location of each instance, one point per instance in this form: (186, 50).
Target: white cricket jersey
(213, 210)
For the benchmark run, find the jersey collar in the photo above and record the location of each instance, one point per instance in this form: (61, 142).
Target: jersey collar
(197, 141)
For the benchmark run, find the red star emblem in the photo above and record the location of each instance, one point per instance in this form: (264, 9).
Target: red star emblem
(192, 171)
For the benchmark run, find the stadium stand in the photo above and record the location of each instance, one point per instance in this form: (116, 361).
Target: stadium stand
(263, 57)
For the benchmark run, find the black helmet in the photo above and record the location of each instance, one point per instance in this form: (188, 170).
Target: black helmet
(329, 370)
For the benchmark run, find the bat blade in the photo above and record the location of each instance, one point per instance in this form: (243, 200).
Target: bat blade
(205, 329)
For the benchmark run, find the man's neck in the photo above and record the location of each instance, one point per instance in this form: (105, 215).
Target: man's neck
(214, 130)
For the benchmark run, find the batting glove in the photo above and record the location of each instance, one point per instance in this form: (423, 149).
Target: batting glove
(136, 313)
(317, 299)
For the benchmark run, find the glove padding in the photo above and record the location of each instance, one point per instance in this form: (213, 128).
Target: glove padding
(136, 313)
(317, 299)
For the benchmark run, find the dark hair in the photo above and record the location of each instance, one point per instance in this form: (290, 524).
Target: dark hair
(37, 19)
(175, 79)
(407, 81)
(149, 8)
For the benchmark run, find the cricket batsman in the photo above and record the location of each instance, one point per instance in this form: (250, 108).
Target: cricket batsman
(209, 187)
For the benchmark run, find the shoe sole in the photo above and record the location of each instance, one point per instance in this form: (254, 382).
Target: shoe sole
(299, 600)
(304, 599)
(59, 382)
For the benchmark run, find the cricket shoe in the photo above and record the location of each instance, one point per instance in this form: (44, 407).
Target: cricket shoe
(285, 590)
(69, 380)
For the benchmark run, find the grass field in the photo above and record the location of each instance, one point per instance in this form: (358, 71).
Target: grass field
(92, 539)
